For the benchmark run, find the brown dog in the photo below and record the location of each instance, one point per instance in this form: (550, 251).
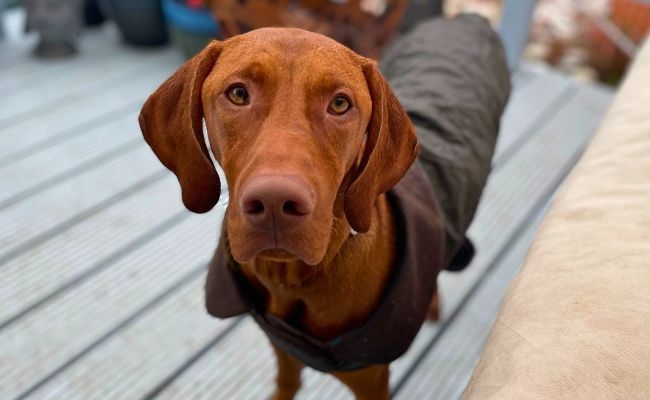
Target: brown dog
(310, 138)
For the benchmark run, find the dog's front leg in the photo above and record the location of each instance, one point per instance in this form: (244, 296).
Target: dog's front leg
(370, 383)
(288, 379)
(433, 314)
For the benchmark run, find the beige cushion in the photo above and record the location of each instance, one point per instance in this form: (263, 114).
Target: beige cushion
(575, 323)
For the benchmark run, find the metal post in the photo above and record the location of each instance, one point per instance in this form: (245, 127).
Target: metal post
(515, 27)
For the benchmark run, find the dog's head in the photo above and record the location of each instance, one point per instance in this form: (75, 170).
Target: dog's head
(308, 134)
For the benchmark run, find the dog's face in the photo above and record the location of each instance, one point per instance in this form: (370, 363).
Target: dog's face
(284, 115)
(305, 130)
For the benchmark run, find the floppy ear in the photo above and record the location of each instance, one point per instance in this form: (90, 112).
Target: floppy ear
(390, 149)
(171, 121)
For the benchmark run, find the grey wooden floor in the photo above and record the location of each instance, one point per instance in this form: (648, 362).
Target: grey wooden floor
(101, 268)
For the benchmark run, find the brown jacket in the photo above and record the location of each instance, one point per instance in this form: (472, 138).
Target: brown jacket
(389, 331)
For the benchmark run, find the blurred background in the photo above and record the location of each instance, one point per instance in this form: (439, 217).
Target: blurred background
(101, 267)
(590, 39)
(593, 39)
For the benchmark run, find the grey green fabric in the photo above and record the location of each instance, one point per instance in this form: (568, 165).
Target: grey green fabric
(452, 78)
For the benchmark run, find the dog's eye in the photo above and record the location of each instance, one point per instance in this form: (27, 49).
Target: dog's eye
(339, 105)
(238, 95)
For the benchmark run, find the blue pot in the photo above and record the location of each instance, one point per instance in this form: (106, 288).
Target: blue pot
(193, 20)
(190, 29)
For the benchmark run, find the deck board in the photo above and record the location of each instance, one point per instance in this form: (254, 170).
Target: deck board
(76, 112)
(446, 369)
(92, 93)
(125, 366)
(42, 338)
(64, 160)
(101, 269)
(532, 100)
(94, 244)
(88, 79)
(37, 219)
(97, 54)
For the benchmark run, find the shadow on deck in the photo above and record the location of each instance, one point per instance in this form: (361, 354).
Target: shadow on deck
(101, 268)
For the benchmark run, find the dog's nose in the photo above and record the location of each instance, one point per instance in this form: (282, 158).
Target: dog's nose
(276, 202)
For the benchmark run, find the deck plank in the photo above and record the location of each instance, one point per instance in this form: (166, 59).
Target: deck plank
(36, 219)
(126, 365)
(98, 89)
(532, 100)
(101, 51)
(81, 78)
(53, 164)
(77, 112)
(445, 370)
(94, 244)
(39, 344)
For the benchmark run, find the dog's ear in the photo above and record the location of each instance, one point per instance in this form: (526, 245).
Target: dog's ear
(390, 149)
(171, 121)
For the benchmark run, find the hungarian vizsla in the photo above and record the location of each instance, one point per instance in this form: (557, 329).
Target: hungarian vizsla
(310, 137)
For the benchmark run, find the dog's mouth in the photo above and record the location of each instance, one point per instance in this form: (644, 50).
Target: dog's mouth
(306, 242)
(250, 245)
(278, 255)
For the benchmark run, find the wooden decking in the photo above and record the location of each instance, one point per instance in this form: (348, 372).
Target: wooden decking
(101, 268)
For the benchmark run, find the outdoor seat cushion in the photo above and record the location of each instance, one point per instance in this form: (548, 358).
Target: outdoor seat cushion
(575, 323)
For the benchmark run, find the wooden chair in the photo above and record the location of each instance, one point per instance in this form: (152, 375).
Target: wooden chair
(366, 26)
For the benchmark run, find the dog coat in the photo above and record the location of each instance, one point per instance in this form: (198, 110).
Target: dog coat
(391, 328)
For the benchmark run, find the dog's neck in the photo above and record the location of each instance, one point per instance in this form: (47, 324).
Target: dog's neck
(327, 299)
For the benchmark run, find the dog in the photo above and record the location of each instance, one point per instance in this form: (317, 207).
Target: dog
(333, 236)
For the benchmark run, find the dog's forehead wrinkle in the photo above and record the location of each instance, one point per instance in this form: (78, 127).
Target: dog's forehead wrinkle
(291, 37)
(291, 43)
(326, 79)
(293, 52)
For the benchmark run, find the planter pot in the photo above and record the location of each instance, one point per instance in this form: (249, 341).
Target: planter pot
(140, 21)
(190, 29)
(57, 23)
